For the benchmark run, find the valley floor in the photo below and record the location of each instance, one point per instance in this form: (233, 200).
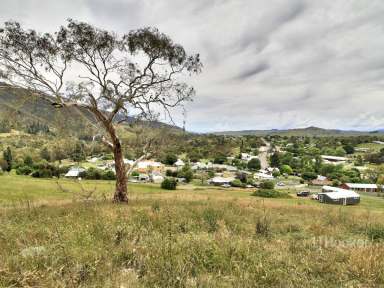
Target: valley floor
(66, 234)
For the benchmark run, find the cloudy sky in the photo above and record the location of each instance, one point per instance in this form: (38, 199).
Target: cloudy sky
(267, 63)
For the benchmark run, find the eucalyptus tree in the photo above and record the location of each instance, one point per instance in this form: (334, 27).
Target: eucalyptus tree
(109, 76)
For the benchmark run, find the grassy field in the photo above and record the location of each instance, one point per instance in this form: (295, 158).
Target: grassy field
(62, 235)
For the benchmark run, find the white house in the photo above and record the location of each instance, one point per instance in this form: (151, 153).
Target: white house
(74, 172)
(247, 157)
(179, 163)
(220, 180)
(263, 176)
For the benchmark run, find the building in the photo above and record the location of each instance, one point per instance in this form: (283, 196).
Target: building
(247, 157)
(218, 181)
(361, 187)
(149, 166)
(321, 181)
(379, 142)
(179, 163)
(74, 172)
(334, 159)
(263, 176)
(335, 195)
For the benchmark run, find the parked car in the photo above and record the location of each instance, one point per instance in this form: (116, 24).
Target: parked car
(226, 186)
(280, 184)
(303, 194)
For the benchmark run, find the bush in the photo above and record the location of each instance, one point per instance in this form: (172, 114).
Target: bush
(286, 169)
(267, 185)
(170, 173)
(276, 173)
(186, 172)
(237, 183)
(109, 175)
(270, 193)
(170, 159)
(169, 184)
(97, 174)
(308, 175)
(254, 164)
(24, 170)
(135, 174)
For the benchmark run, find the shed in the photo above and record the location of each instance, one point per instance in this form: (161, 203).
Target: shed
(340, 197)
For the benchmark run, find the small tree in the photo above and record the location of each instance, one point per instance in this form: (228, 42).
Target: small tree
(286, 169)
(169, 184)
(254, 164)
(267, 185)
(7, 155)
(170, 159)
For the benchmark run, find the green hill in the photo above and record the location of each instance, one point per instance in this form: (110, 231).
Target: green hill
(20, 108)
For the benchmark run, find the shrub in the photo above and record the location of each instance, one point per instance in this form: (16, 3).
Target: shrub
(237, 183)
(267, 185)
(254, 164)
(135, 174)
(170, 173)
(186, 172)
(170, 159)
(169, 184)
(308, 175)
(108, 175)
(286, 169)
(270, 193)
(24, 170)
(276, 173)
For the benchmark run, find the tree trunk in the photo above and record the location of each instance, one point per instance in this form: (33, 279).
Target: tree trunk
(121, 176)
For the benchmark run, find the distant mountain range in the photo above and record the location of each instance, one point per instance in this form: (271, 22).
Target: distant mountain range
(308, 131)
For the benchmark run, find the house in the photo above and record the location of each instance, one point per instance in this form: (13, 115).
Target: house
(74, 172)
(218, 181)
(179, 163)
(334, 159)
(149, 166)
(263, 176)
(335, 195)
(247, 157)
(321, 181)
(361, 187)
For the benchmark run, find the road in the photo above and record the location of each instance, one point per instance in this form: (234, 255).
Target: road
(263, 154)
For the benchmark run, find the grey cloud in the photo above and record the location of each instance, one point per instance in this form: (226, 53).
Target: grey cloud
(267, 64)
(248, 73)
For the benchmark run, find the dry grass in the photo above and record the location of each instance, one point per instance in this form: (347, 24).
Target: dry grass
(189, 238)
